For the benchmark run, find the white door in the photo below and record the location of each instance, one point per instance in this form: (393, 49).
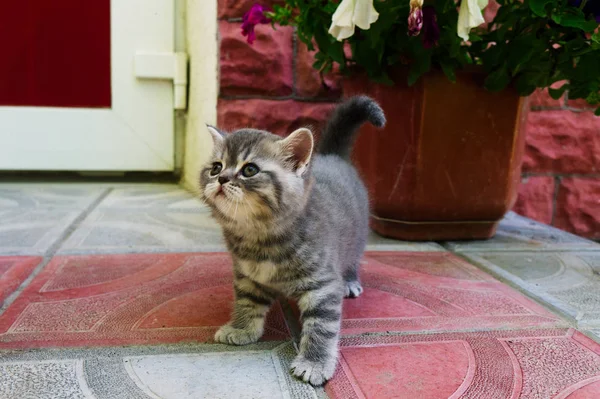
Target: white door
(136, 131)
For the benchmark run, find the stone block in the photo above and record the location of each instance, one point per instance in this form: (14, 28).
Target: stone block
(562, 142)
(578, 206)
(309, 82)
(279, 117)
(261, 68)
(536, 197)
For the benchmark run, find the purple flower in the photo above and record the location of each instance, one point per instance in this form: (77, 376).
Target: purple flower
(255, 16)
(415, 18)
(591, 7)
(431, 30)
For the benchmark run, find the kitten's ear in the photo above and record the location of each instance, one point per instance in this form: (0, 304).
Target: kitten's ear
(217, 136)
(298, 147)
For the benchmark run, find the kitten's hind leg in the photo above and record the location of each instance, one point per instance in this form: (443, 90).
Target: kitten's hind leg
(353, 289)
(248, 318)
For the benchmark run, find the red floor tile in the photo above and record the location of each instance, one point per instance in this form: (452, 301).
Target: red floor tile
(435, 291)
(556, 363)
(13, 271)
(126, 299)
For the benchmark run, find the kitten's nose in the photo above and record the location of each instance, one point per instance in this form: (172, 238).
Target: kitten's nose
(223, 179)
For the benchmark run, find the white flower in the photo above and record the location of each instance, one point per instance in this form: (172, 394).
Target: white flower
(470, 16)
(350, 13)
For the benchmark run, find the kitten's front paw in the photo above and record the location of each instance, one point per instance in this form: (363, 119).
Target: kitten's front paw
(235, 336)
(316, 373)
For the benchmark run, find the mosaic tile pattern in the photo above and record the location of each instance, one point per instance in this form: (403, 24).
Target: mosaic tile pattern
(555, 363)
(13, 271)
(435, 292)
(199, 371)
(145, 219)
(569, 281)
(32, 231)
(517, 233)
(34, 217)
(126, 299)
(129, 307)
(68, 196)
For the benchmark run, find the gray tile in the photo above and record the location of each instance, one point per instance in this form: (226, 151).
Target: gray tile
(517, 233)
(379, 243)
(568, 281)
(26, 196)
(32, 231)
(250, 375)
(110, 230)
(43, 380)
(167, 371)
(155, 196)
(146, 218)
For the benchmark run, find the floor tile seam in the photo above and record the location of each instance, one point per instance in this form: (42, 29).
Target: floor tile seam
(545, 300)
(126, 351)
(53, 249)
(532, 250)
(389, 333)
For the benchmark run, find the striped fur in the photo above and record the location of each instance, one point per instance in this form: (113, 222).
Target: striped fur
(297, 228)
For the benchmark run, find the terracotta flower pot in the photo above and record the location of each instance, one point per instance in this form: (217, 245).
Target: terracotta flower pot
(447, 165)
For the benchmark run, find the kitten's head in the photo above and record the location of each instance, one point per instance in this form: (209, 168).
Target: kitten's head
(255, 176)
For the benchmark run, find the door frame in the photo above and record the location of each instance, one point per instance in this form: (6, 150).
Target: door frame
(135, 134)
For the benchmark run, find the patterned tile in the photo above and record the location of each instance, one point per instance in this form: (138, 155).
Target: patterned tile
(146, 219)
(35, 216)
(556, 363)
(435, 291)
(43, 380)
(151, 196)
(517, 233)
(126, 299)
(153, 230)
(32, 231)
(13, 271)
(68, 196)
(199, 371)
(570, 281)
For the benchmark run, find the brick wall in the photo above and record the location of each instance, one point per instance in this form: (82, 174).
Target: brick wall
(272, 85)
(561, 170)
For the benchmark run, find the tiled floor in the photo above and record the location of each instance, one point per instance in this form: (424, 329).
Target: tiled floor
(115, 291)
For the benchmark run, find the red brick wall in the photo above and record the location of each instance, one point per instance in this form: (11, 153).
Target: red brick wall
(561, 170)
(271, 85)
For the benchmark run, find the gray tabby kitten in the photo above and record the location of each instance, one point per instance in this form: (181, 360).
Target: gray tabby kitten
(296, 224)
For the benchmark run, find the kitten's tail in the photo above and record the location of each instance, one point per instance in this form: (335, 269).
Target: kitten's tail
(340, 132)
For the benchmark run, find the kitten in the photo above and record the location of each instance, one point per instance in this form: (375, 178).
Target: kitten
(296, 224)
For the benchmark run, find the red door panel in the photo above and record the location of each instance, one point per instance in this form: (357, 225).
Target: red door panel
(55, 53)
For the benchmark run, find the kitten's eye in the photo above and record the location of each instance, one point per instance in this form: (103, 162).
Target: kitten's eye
(216, 168)
(249, 170)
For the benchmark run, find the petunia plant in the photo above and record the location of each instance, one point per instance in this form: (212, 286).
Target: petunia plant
(529, 44)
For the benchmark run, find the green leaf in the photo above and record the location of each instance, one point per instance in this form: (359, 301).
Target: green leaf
(526, 84)
(597, 113)
(448, 71)
(539, 6)
(558, 93)
(575, 18)
(593, 98)
(498, 79)
(421, 65)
